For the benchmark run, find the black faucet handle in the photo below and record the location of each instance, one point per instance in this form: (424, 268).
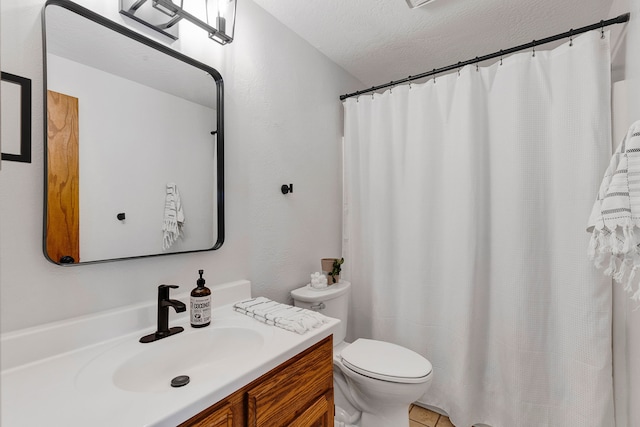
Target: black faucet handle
(163, 291)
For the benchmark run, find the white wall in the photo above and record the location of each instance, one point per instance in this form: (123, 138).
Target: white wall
(626, 319)
(632, 314)
(283, 125)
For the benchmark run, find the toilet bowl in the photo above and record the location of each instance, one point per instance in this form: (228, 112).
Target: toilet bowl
(375, 382)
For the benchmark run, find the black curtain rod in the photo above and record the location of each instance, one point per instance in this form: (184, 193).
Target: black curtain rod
(531, 45)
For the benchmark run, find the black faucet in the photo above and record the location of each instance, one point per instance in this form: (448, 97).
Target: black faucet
(163, 315)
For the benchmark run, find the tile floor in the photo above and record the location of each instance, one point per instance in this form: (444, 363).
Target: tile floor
(420, 417)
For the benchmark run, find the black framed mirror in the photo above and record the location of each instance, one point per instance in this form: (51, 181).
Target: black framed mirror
(134, 143)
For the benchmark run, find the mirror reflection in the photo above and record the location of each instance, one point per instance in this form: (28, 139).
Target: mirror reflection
(134, 143)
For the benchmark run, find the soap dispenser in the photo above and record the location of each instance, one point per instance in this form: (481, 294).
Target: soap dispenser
(200, 304)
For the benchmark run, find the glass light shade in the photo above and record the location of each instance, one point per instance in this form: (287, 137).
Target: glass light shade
(216, 17)
(221, 14)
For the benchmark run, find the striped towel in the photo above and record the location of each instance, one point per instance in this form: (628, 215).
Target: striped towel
(173, 217)
(615, 217)
(284, 316)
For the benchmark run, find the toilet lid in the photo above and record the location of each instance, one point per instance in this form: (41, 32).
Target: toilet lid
(386, 361)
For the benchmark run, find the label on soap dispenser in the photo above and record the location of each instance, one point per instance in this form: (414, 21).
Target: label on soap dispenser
(200, 310)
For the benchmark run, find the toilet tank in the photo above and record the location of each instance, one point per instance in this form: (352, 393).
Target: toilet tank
(332, 301)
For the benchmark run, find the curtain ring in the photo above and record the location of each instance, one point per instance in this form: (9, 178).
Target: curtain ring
(533, 43)
(477, 66)
(391, 88)
(409, 79)
(571, 37)
(372, 92)
(458, 68)
(434, 76)
(500, 56)
(601, 29)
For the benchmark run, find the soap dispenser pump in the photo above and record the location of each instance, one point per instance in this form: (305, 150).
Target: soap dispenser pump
(200, 304)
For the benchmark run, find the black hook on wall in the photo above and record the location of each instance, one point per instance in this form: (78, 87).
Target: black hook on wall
(121, 216)
(286, 188)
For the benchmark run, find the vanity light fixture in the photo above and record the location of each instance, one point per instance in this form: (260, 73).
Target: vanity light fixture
(417, 3)
(216, 17)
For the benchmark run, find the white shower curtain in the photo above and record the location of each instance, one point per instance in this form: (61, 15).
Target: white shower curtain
(466, 202)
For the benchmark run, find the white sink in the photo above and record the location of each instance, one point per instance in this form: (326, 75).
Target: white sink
(71, 368)
(184, 354)
(137, 367)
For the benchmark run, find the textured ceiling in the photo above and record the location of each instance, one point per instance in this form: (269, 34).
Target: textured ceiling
(382, 40)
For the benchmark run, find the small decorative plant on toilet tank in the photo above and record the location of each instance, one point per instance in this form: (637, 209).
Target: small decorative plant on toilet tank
(331, 267)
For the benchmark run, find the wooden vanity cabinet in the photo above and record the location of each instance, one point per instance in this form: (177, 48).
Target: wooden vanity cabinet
(218, 417)
(298, 393)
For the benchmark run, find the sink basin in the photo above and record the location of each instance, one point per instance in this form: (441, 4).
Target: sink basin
(182, 354)
(137, 367)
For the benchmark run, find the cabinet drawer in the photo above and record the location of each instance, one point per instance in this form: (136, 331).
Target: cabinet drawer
(293, 389)
(319, 414)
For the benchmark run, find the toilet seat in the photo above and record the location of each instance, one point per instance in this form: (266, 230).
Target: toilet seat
(386, 361)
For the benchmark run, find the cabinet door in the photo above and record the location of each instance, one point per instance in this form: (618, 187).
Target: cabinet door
(319, 414)
(286, 394)
(222, 417)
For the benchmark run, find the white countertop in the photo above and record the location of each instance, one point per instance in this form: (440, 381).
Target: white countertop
(67, 390)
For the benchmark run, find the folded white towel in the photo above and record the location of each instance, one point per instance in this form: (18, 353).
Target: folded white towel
(284, 316)
(615, 217)
(173, 217)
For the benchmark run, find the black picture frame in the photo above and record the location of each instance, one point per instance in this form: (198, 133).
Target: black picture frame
(25, 118)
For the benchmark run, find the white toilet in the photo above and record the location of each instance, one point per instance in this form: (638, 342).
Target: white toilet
(375, 382)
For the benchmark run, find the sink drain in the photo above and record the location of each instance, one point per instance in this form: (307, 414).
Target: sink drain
(180, 380)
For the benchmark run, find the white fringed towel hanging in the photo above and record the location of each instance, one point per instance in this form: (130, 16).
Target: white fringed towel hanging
(615, 217)
(173, 217)
(294, 319)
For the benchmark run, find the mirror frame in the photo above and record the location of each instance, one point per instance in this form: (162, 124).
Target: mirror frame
(100, 20)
